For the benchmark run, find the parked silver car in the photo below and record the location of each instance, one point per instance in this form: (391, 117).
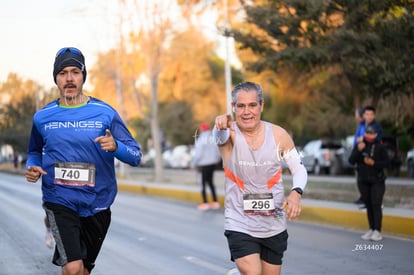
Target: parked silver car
(319, 156)
(181, 156)
(342, 165)
(148, 158)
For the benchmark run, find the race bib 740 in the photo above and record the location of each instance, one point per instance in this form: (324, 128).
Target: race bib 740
(75, 174)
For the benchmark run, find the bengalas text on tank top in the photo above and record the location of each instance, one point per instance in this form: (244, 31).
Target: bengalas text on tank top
(254, 187)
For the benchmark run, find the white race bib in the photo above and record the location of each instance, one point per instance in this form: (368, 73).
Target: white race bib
(75, 174)
(259, 204)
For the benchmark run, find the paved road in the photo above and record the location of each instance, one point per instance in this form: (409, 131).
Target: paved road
(188, 176)
(157, 236)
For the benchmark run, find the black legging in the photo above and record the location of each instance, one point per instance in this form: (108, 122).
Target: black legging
(207, 178)
(372, 193)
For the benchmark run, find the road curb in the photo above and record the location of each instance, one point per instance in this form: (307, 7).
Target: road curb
(392, 224)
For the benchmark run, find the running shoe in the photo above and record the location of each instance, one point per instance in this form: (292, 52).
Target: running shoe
(367, 236)
(49, 240)
(203, 206)
(214, 205)
(376, 236)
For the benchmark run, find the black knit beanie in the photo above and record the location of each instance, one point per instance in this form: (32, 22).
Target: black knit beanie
(69, 57)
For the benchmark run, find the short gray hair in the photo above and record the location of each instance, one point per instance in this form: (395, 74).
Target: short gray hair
(247, 87)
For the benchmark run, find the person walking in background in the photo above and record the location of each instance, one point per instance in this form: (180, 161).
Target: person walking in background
(206, 157)
(15, 160)
(371, 158)
(255, 204)
(73, 143)
(365, 117)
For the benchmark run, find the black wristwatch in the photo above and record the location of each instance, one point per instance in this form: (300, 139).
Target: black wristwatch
(299, 190)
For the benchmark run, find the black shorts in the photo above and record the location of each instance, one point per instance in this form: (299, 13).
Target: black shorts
(77, 238)
(270, 249)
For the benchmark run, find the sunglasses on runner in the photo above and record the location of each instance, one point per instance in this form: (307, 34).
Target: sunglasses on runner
(70, 49)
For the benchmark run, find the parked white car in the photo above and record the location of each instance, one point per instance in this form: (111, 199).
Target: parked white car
(148, 159)
(319, 156)
(181, 156)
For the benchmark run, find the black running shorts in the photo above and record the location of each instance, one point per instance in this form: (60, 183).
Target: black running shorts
(270, 249)
(77, 238)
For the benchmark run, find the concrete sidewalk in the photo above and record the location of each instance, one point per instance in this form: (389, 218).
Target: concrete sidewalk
(396, 221)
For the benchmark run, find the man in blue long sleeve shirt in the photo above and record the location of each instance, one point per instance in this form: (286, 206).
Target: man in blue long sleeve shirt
(73, 143)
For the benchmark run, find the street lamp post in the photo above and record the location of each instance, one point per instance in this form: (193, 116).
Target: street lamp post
(227, 69)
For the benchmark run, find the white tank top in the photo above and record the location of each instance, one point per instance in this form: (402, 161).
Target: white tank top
(253, 172)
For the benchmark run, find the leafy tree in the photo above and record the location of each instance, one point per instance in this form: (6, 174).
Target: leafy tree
(15, 124)
(107, 81)
(195, 74)
(142, 129)
(178, 120)
(151, 65)
(369, 44)
(20, 100)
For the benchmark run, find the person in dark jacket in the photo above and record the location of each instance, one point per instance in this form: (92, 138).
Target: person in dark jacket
(364, 117)
(371, 159)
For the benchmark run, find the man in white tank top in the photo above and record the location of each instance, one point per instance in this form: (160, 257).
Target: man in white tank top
(255, 206)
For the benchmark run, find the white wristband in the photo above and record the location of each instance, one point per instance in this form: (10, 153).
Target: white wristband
(221, 136)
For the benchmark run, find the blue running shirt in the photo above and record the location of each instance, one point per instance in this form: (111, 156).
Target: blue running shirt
(66, 135)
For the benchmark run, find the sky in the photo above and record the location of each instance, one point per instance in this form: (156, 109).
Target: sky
(31, 33)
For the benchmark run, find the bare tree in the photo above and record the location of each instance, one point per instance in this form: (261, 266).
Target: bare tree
(155, 30)
(147, 30)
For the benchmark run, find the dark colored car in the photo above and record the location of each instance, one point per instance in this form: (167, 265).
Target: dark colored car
(342, 165)
(394, 155)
